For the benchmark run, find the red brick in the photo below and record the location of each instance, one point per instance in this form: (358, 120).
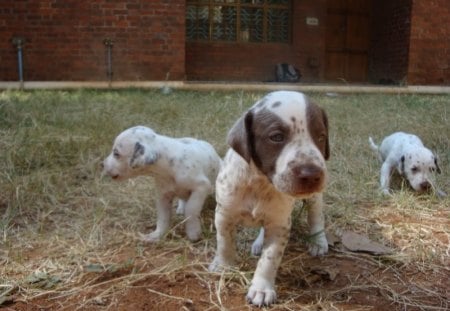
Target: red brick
(64, 39)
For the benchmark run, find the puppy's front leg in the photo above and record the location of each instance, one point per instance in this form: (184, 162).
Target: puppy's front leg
(164, 213)
(318, 244)
(262, 289)
(226, 237)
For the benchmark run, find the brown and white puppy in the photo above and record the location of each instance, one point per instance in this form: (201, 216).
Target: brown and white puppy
(183, 168)
(277, 155)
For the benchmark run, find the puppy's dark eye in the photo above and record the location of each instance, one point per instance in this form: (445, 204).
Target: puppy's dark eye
(116, 154)
(277, 137)
(415, 169)
(322, 138)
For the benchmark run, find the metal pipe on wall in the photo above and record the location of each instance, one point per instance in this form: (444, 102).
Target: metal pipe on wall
(109, 72)
(18, 42)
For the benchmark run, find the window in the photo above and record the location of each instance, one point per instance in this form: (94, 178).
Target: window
(238, 20)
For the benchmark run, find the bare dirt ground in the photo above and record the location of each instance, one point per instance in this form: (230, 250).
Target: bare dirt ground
(173, 276)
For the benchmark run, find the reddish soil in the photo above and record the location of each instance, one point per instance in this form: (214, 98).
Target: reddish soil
(338, 281)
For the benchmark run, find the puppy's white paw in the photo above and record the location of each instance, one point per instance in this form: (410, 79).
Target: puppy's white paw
(193, 230)
(219, 264)
(386, 192)
(257, 247)
(258, 244)
(180, 207)
(261, 293)
(318, 245)
(152, 237)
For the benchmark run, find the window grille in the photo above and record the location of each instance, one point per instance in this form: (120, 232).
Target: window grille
(238, 20)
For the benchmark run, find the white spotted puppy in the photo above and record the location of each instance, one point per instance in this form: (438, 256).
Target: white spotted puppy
(183, 168)
(406, 154)
(277, 155)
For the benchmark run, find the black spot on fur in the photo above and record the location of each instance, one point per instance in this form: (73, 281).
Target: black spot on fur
(139, 150)
(262, 102)
(276, 104)
(402, 167)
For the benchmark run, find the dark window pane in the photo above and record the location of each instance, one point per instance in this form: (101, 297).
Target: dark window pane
(278, 25)
(252, 21)
(197, 22)
(224, 26)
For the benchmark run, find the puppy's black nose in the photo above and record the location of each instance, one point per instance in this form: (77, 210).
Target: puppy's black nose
(309, 174)
(102, 166)
(424, 186)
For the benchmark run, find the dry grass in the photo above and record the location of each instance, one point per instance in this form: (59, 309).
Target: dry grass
(68, 239)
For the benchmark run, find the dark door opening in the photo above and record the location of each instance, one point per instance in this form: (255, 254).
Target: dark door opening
(347, 40)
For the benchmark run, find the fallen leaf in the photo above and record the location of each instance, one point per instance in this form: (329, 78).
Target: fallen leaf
(359, 243)
(332, 238)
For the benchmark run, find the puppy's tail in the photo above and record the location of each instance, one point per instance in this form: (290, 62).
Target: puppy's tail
(373, 146)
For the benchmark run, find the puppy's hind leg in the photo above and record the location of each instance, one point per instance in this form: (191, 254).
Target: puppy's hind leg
(180, 207)
(385, 177)
(192, 211)
(258, 244)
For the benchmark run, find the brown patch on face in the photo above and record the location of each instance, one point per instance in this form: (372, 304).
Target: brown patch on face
(317, 122)
(268, 134)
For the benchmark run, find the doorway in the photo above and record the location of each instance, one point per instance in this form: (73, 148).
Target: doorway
(347, 40)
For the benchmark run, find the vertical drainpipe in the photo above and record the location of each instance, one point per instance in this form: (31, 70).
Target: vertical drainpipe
(109, 73)
(18, 42)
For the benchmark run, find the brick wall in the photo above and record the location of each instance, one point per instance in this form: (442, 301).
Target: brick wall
(65, 39)
(256, 62)
(389, 45)
(410, 42)
(430, 43)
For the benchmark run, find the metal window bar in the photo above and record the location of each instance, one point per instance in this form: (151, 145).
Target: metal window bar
(218, 30)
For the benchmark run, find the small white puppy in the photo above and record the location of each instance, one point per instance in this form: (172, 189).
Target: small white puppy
(183, 168)
(412, 160)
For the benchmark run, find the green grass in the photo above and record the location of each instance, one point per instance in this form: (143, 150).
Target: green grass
(57, 214)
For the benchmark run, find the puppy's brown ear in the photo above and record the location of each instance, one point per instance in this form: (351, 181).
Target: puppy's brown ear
(317, 121)
(327, 140)
(240, 136)
(142, 156)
